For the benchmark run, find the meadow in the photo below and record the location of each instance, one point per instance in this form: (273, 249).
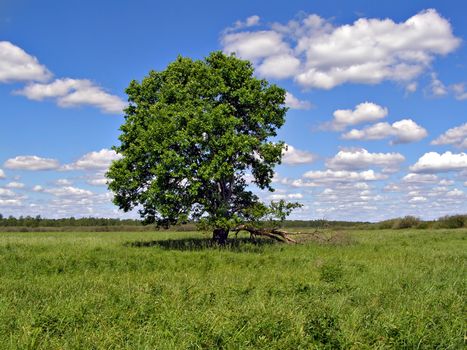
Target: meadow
(361, 289)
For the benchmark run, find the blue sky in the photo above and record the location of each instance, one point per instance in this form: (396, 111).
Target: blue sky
(377, 126)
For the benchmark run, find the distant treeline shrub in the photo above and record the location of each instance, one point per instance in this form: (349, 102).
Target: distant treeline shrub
(452, 221)
(407, 222)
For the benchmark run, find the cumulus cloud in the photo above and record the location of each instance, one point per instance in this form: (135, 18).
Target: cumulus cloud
(417, 199)
(359, 159)
(402, 131)
(98, 178)
(38, 188)
(279, 196)
(363, 112)
(93, 160)
(411, 87)
(321, 55)
(280, 66)
(433, 162)
(10, 202)
(459, 91)
(15, 184)
(419, 178)
(6, 192)
(342, 175)
(74, 92)
(255, 45)
(445, 182)
(249, 22)
(17, 65)
(68, 191)
(97, 181)
(455, 193)
(437, 87)
(63, 182)
(2, 174)
(31, 163)
(456, 136)
(293, 156)
(294, 103)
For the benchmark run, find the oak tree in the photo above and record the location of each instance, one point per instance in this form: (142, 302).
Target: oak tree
(193, 134)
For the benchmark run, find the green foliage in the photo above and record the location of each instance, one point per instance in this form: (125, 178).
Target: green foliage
(272, 216)
(393, 289)
(452, 221)
(38, 221)
(406, 222)
(192, 133)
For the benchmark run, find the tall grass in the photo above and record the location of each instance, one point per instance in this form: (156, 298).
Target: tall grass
(160, 290)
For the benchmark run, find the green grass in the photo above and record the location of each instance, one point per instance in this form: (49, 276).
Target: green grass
(402, 289)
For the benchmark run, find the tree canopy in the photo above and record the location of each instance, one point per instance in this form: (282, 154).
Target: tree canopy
(192, 135)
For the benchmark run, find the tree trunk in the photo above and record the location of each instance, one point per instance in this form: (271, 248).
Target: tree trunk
(219, 235)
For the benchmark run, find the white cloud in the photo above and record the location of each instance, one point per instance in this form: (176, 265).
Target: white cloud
(402, 131)
(6, 192)
(419, 178)
(280, 66)
(31, 163)
(2, 174)
(363, 112)
(433, 162)
(68, 191)
(10, 202)
(459, 91)
(94, 160)
(249, 22)
(411, 87)
(343, 175)
(97, 181)
(455, 193)
(74, 92)
(359, 159)
(293, 156)
(17, 65)
(445, 182)
(63, 182)
(98, 178)
(280, 196)
(15, 184)
(367, 51)
(38, 188)
(252, 21)
(437, 88)
(455, 136)
(294, 103)
(418, 199)
(255, 45)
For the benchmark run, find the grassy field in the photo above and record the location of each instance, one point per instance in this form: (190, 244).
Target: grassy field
(392, 289)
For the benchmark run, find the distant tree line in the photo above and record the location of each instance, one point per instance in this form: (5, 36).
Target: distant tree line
(108, 224)
(38, 221)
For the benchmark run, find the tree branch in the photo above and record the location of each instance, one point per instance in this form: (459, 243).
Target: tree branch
(278, 235)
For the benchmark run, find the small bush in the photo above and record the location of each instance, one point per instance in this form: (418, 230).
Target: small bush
(386, 224)
(406, 222)
(452, 221)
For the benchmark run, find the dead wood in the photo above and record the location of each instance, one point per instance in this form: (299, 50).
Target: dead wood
(278, 235)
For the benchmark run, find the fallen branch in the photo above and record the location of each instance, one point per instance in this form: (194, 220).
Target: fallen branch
(278, 235)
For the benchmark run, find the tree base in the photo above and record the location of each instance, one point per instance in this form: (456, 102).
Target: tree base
(219, 235)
